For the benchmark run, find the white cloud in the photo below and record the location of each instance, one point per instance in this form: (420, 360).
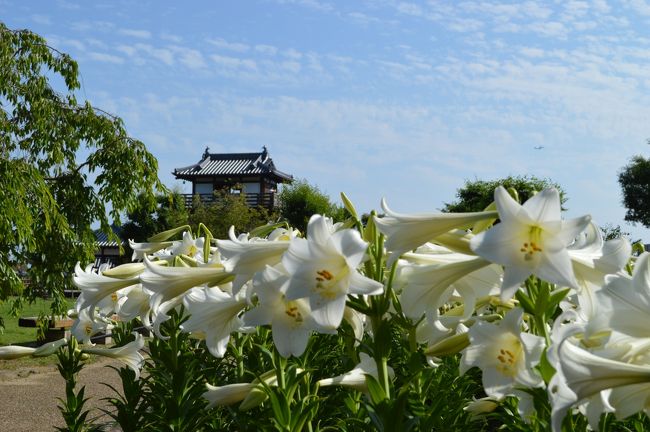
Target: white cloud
(105, 58)
(549, 29)
(234, 63)
(129, 50)
(639, 6)
(67, 5)
(139, 34)
(65, 43)
(313, 4)
(230, 46)
(365, 19)
(266, 49)
(171, 37)
(465, 25)
(532, 52)
(601, 6)
(292, 54)
(291, 66)
(163, 54)
(410, 9)
(192, 59)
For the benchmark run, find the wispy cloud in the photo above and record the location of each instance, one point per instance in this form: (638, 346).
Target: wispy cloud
(191, 58)
(105, 58)
(266, 49)
(233, 63)
(230, 46)
(312, 4)
(139, 34)
(171, 38)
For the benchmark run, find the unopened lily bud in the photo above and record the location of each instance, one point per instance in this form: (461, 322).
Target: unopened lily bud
(481, 406)
(257, 394)
(226, 395)
(13, 352)
(49, 348)
(449, 345)
(125, 271)
(162, 236)
(349, 206)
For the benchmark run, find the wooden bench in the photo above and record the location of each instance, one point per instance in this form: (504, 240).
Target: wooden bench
(55, 330)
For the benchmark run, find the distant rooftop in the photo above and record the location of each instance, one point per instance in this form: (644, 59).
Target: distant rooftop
(233, 165)
(102, 240)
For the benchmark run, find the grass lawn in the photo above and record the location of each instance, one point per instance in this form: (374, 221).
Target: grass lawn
(12, 334)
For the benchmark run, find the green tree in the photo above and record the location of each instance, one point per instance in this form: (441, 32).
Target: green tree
(63, 166)
(476, 195)
(298, 201)
(167, 211)
(634, 179)
(148, 218)
(225, 211)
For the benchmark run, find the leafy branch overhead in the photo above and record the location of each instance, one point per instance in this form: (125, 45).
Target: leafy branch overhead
(65, 166)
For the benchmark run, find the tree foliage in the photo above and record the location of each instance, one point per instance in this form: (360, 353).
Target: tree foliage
(153, 215)
(299, 200)
(225, 211)
(63, 166)
(476, 195)
(634, 179)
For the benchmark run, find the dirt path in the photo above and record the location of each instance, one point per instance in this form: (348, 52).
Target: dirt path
(28, 396)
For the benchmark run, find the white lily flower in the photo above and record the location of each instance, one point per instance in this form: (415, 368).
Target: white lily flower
(357, 321)
(624, 302)
(428, 287)
(356, 378)
(530, 239)
(587, 374)
(85, 326)
(506, 356)
(324, 269)
(406, 232)
(188, 246)
(291, 320)
(228, 394)
(215, 314)
(251, 394)
(129, 354)
(95, 287)
(109, 305)
(166, 283)
(245, 257)
(134, 303)
(606, 379)
(593, 258)
(140, 250)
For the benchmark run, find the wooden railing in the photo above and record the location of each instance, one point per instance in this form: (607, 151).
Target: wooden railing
(252, 199)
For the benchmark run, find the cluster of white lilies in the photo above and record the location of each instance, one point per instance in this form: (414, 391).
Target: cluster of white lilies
(462, 279)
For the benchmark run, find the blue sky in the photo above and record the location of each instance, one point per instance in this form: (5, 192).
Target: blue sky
(381, 98)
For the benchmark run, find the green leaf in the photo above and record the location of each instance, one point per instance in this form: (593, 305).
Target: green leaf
(375, 390)
(525, 302)
(545, 368)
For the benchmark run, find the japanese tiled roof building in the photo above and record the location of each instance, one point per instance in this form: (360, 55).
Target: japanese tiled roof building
(255, 173)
